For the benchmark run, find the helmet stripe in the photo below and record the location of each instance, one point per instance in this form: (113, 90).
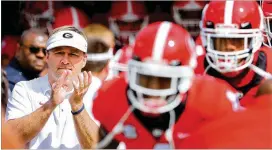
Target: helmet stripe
(50, 6)
(129, 7)
(228, 11)
(160, 40)
(75, 18)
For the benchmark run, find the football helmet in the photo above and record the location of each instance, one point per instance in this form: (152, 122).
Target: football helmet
(39, 14)
(162, 65)
(188, 15)
(267, 10)
(71, 16)
(232, 33)
(126, 18)
(119, 62)
(10, 45)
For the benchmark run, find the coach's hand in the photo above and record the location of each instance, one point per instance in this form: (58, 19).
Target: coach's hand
(84, 81)
(59, 89)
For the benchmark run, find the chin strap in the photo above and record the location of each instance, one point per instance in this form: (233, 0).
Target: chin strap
(207, 69)
(118, 128)
(256, 69)
(260, 72)
(169, 131)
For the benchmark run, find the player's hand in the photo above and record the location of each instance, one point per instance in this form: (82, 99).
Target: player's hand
(80, 89)
(59, 89)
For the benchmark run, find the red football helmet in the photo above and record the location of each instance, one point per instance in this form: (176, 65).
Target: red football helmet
(40, 14)
(267, 10)
(188, 14)
(162, 66)
(119, 62)
(126, 18)
(232, 33)
(9, 47)
(71, 16)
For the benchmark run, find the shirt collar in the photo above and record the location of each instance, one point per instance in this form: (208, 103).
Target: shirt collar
(46, 85)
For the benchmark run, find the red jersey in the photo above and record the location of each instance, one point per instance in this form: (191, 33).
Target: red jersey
(247, 129)
(206, 100)
(251, 81)
(198, 40)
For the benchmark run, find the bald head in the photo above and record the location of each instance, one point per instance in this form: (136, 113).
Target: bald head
(31, 53)
(34, 35)
(265, 88)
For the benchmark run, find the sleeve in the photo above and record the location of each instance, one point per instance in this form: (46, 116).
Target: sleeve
(214, 99)
(225, 100)
(11, 85)
(19, 103)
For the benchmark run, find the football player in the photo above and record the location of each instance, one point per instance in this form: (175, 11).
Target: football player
(188, 15)
(248, 129)
(233, 39)
(118, 64)
(126, 19)
(159, 102)
(267, 10)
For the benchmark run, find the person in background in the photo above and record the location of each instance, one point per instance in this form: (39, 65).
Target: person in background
(188, 15)
(118, 64)
(8, 49)
(70, 16)
(233, 46)
(126, 19)
(100, 31)
(49, 112)
(98, 59)
(39, 14)
(29, 60)
(267, 10)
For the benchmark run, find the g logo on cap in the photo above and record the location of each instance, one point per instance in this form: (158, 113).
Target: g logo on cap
(67, 35)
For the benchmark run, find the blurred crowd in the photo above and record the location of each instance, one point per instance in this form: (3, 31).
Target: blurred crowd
(196, 69)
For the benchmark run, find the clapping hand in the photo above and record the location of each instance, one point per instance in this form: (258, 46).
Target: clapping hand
(80, 88)
(59, 89)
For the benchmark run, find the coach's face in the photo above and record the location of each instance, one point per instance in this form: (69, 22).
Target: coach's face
(65, 58)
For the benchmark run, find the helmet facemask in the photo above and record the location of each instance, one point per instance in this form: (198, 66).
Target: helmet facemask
(127, 28)
(189, 19)
(268, 31)
(156, 88)
(230, 49)
(40, 19)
